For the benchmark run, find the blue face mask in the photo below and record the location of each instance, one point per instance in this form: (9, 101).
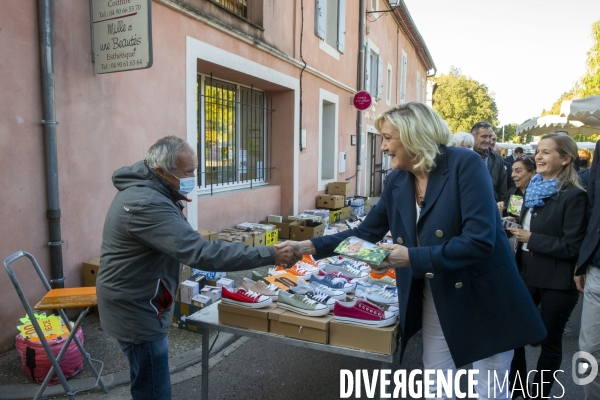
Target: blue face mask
(186, 185)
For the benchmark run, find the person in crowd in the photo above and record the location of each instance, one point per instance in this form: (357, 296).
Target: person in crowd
(462, 139)
(554, 220)
(576, 163)
(516, 154)
(493, 140)
(523, 169)
(587, 280)
(453, 270)
(507, 167)
(146, 240)
(585, 157)
(482, 133)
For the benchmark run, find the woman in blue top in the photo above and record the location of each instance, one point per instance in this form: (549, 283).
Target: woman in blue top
(456, 275)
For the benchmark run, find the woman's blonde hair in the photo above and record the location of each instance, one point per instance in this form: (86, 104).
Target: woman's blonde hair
(565, 146)
(421, 131)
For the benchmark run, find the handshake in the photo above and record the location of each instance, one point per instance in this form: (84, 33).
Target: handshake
(289, 252)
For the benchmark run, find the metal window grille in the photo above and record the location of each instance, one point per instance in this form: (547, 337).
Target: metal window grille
(239, 7)
(234, 148)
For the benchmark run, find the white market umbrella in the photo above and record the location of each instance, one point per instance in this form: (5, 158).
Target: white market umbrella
(586, 111)
(551, 123)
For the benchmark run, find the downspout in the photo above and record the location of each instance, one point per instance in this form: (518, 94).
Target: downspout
(50, 148)
(360, 86)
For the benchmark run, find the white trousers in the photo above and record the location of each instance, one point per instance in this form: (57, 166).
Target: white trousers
(436, 355)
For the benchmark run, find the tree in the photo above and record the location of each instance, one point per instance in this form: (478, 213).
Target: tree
(510, 132)
(590, 82)
(462, 101)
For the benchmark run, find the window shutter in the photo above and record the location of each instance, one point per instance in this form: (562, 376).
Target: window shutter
(341, 33)
(368, 68)
(379, 76)
(320, 18)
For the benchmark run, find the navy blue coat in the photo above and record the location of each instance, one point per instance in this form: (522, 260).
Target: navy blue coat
(592, 237)
(478, 293)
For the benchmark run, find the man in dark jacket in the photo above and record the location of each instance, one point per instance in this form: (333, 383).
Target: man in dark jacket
(482, 133)
(516, 155)
(146, 240)
(587, 279)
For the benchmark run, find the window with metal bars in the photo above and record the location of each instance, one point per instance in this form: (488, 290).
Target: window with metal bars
(234, 122)
(239, 7)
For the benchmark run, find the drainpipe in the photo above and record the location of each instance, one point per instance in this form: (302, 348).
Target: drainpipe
(360, 86)
(50, 149)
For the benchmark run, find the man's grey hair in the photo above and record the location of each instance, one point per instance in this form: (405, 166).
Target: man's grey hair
(164, 153)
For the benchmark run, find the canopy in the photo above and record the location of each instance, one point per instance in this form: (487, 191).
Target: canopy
(551, 123)
(586, 111)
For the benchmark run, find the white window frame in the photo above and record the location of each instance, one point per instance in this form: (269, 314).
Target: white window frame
(323, 21)
(388, 86)
(403, 68)
(370, 51)
(374, 5)
(324, 95)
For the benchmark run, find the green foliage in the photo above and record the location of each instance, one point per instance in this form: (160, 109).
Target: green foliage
(462, 101)
(590, 82)
(555, 109)
(510, 132)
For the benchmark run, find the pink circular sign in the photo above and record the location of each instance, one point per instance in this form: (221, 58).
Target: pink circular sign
(362, 100)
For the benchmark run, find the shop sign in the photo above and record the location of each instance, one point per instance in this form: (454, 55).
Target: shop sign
(121, 35)
(362, 100)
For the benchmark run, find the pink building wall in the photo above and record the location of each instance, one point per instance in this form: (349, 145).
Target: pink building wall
(109, 121)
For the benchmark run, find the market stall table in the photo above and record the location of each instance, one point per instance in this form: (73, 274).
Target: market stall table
(208, 318)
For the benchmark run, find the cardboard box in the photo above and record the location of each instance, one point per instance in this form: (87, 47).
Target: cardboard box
(290, 324)
(90, 271)
(260, 238)
(311, 230)
(187, 290)
(341, 188)
(346, 212)
(242, 317)
(335, 216)
(208, 235)
(378, 340)
(283, 281)
(283, 227)
(330, 201)
(180, 313)
(201, 301)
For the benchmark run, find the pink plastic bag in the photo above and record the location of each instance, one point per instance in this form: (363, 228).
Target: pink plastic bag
(35, 362)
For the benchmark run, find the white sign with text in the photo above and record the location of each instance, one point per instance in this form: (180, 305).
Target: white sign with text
(122, 32)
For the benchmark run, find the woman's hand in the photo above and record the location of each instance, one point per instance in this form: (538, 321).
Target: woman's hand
(396, 259)
(501, 207)
(511, 219)
(521, 234)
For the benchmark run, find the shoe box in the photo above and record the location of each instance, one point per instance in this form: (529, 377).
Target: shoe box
(297, 326)
(248, 318)
(377, 340)
(311, 229)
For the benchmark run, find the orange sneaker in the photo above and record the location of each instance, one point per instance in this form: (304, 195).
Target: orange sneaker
(295, 270)
(308, 259)
(390, 272)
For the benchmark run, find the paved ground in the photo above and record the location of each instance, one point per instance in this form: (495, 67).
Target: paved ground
(247, 368)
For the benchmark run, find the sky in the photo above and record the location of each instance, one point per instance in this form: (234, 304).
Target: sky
(528, 52)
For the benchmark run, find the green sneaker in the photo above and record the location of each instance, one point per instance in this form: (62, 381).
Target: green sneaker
(301, 304)
(257, 276)
(384, 280)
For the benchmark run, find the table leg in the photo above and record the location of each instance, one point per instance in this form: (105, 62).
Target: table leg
(205, 357)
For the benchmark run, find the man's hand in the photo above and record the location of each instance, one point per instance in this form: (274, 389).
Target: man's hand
(286, 255)
(398, 258)
(304, 247)
(580, 282)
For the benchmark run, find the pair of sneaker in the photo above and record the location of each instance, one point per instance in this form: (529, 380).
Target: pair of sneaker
(333, 282)
(377, 294)
(261, 287)
(243, 297)
(347, 271)
(302, 304)
(363, 312)
(319, 293)
(388, 278)
(296, 270)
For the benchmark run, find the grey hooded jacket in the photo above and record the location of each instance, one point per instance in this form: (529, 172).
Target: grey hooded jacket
(146, 240)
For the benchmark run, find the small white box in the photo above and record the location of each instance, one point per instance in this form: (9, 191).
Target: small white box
(211, 291)
(188, 290)
(228, 283)
(200, 300)
(275, 218)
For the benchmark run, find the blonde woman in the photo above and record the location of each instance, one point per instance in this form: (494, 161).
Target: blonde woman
(453, 263)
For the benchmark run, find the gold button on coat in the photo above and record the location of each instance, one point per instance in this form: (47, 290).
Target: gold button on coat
(429, 275)
(400, 240)
(439, 233)
(458, 285)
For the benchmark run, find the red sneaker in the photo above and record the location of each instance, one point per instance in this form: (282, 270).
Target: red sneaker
(362, 312)
(245, 298)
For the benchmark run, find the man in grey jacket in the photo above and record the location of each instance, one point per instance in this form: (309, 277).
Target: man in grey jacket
(146, 240)
(482, 133)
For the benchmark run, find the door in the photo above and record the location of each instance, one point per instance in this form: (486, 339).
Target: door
(376, 158)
